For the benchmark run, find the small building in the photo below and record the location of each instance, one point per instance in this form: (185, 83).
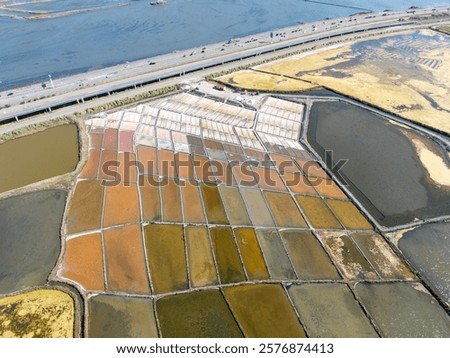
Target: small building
(219, 86)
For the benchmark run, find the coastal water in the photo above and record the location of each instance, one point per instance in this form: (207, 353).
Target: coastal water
(40, 38)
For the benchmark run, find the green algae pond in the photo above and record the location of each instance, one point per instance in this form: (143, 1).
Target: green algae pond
(35, 157)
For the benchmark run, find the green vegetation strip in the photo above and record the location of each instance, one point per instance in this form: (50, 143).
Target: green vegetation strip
(128, 100)
(35, 127)
(444, 29)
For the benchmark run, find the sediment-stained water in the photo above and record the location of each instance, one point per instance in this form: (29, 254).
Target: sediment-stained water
(85, 210)
(214, 209)
(120, 317)
(125, 197)
(349, 215)
(184, 166)
(148, 157)
(38, 156)
(284, 211)
(234, 205)
(277, 259)
(151, 202)
(192, 203)
(166, 257)
(30, 238)
(263, 311)
(383, 170)
(330, 310)
(298, 183)
(83, 262)
(318, 214)
(171, 201)
(202, 270)
(227, 255)
(402, 309)
(387, 264)
(347, 256)
(257, 208)
(307, 256)
(327, 188)
(251, 253)
(125, 262)
(427, 248)
(202, 314)
(90, 169)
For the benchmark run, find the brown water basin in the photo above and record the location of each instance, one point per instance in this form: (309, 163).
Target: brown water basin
(85, 209)
(263, 311)
(184, 166)
(202, 314)
(151, 204)
(298, 184)
(227, 255)
(108, 165)
(38, 156)
(202, 270)
(83, 262)
(252, 257)
(166, 163)
(327, 188)
(166, 257)
(268, 179)
(125, 261)
(120, 317)
(257, 208)
(308, 257)
(171, 200)
(349, 215)
(234, 205)
(192, 202)
(318, 213)
(284, 210)
(277, 259)
(214, 209)
(90, 169)
(148, 158)
(330, 311)
(404, 309)
(127, 167)
(121, 204)
(347, 256)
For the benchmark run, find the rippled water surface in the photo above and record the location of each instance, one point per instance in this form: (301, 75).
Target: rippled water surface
(65, 37)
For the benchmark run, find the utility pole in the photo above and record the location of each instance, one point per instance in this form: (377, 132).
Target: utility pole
(51, 81)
